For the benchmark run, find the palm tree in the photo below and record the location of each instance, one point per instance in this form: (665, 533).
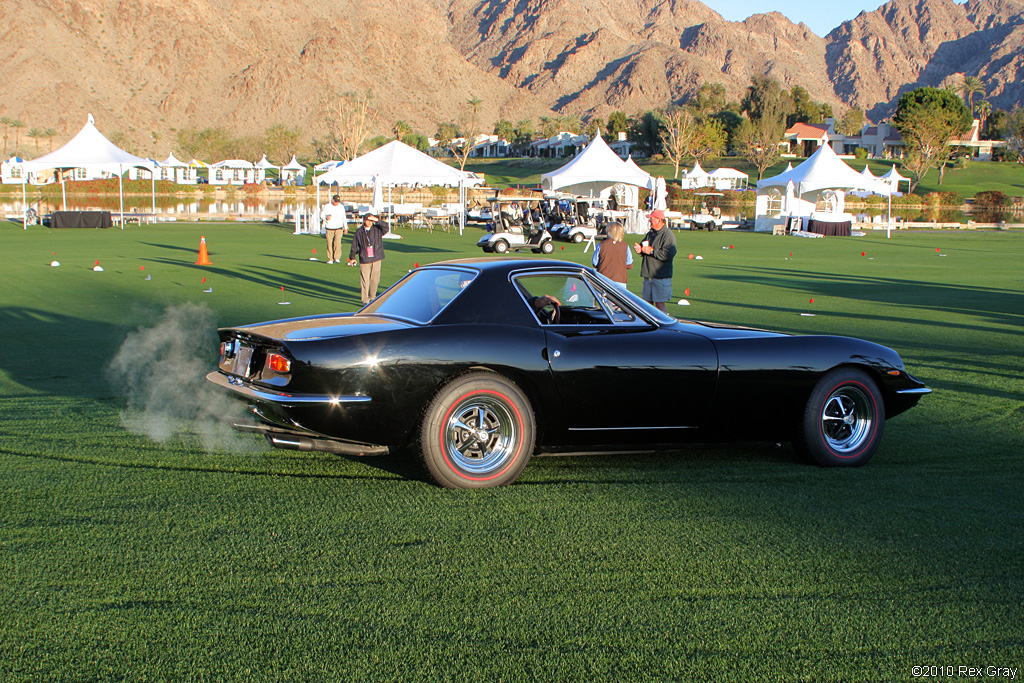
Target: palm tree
(984, 109)
(969, 87)
(17, 125)
(7, 122)
(35, 134)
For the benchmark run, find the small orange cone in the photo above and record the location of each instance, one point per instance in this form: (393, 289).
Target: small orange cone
(204, 256)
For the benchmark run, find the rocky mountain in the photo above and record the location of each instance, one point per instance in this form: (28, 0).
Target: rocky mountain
(147, 68)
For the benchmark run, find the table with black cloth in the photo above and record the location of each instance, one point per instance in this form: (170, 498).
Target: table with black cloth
(80, 219)
(829, 228)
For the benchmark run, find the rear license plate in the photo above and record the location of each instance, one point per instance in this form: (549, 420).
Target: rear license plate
(242, 361)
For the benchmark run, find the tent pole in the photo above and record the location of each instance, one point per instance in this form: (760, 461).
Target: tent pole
(888, 228)
(63, 194)
(24, 203)
(152, 177)
(120, 193)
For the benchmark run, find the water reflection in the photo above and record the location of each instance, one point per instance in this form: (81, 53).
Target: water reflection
(171, 206)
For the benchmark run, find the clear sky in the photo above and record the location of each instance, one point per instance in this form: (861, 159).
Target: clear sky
(820, 16)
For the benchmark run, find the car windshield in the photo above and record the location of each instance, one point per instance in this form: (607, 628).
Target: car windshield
(422, 294)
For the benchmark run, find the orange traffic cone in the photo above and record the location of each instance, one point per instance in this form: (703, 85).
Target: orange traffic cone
(204, 256)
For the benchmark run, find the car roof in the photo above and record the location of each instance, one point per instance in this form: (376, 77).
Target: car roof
(508, 264)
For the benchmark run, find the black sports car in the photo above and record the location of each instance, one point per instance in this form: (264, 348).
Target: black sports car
(475, 365)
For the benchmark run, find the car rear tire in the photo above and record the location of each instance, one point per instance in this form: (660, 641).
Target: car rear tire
(500, 247)
(577, 237)
(547, 247)
(477, 432)
(843, 420)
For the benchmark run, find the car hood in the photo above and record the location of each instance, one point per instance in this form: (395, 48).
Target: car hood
(323, 327)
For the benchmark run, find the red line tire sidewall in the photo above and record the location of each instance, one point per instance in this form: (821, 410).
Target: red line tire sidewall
(811, 439)
(438, 464)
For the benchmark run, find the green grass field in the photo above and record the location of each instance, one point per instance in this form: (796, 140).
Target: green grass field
(129, 559)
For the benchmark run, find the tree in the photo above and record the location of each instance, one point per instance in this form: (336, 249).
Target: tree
(851, 122)
(1013, 131)
(677, 132)
(765, 98)
(646, 132)
(350, 116)
(710, 98)
(709, 140)
(505, 130)
(758, 141)
(49, 134)
(524, 134)
(618, 122)
(549, 126)
(983, 109)
(35, 134)
(928, 118)
(281, 142)
(7, 122)
(401, 130)
(594, 127)
(970, 86)
(17, 125)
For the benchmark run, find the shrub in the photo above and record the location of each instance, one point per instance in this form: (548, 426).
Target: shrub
(944, 199)
(860, 153)
(991, 199)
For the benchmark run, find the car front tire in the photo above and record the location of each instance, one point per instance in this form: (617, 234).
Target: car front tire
(843, 420)
(477, 432)
(547, 247)
(500, 247)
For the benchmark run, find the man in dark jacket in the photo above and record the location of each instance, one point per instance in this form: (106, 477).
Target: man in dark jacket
(368, 246)
(658, 248)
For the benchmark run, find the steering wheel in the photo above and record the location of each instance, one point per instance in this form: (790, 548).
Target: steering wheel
(555, 315)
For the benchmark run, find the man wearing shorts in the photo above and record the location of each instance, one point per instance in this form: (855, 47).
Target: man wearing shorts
(657, 249)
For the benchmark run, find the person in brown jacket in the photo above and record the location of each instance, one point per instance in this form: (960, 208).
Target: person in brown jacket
(612, 257)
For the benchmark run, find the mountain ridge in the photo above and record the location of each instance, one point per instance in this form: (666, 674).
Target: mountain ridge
(147, 68)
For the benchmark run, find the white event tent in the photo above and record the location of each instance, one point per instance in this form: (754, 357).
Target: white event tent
(92, 151)
(595, 171)
(293, 172)
(396, 163)
(893, 177)
(823, 171)
(598, 171)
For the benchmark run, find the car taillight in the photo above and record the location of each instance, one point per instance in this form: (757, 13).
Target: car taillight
(279, 363)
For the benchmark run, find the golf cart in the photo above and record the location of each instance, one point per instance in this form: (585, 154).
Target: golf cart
(572, 218)
(709, 215)
(515, 225)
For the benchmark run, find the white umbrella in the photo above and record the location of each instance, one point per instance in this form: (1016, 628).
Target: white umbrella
(377, 203)
(660, 194)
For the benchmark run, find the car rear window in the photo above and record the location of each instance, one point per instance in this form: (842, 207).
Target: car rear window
(422, 294)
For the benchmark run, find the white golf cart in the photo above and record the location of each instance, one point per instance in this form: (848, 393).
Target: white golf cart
(572, 216)
(513, 227)
(708, 215)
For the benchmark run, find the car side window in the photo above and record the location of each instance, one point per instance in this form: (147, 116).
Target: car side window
(579, 305)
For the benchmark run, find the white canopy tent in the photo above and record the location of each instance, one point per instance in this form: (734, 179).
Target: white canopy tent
(728, 179)
(867, 172)
(396, 163)
(261, 168)
(695, 178)
(893, 177)
(91, 150)
(822, 171)
(595, 171)
(293, 171)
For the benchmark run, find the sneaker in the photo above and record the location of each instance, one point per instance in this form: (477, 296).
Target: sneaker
(330, 261)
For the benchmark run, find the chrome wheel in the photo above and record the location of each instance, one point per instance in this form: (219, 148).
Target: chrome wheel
(846, 419)
(478, 431)
(843, 421)
(480, 434)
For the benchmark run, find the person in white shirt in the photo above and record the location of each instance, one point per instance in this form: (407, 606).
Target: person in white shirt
(335, 223)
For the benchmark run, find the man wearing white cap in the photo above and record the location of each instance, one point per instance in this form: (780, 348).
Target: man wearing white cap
(335, 225)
